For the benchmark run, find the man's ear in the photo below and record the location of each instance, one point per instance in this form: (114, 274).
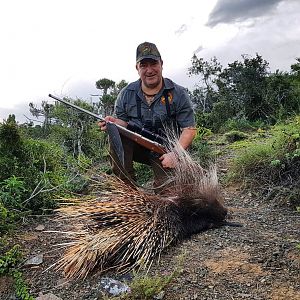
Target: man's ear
(136, 66)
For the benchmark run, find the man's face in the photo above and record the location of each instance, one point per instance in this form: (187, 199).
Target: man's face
(150, 72)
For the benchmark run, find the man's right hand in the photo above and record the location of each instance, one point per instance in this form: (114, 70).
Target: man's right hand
(102, 124)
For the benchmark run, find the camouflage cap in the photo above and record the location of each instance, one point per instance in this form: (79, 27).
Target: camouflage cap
(147, 50)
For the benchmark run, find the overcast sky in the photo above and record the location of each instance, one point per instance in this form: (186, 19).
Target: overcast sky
(64, 46)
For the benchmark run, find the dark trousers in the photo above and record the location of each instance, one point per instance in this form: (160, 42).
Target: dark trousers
(135, 152)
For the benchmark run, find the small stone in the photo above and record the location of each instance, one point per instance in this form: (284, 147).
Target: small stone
(40, 227)
(34, 261)
(159, 296)
(113, 287)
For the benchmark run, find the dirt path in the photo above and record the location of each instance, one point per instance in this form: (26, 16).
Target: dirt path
(256, 261)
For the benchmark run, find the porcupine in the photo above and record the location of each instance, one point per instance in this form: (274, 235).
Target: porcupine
(126, 227)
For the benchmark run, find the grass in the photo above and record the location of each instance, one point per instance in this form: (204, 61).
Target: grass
(270, 163)
(146, 287)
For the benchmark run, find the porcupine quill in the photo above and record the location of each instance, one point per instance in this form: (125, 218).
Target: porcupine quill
(126, 228)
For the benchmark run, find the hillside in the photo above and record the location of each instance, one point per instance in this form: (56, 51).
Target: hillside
(259, 260)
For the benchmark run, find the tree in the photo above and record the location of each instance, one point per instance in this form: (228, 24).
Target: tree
(110, 91)
(70, 127)
(204, 96)
(243, 85)
(46, 111)
(105, 84)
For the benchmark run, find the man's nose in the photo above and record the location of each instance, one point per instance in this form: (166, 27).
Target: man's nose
(149, 69)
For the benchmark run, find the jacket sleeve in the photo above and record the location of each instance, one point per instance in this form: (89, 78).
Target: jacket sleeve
(184, 111)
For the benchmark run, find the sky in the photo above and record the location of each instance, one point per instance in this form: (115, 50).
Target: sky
(64, 46)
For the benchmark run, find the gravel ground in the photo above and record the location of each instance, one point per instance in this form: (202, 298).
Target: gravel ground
(256, 261)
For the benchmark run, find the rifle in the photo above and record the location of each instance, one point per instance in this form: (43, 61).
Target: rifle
(140, 135)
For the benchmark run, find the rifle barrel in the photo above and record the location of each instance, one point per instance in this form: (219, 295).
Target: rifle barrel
(138, 138)
(77, 107)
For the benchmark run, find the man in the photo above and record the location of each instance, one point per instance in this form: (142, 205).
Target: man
(156, 104)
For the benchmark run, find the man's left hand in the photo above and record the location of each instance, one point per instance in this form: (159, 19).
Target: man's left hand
(168, 160)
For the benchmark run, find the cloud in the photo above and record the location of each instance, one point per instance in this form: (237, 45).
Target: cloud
(199, 49)
(21, 112)
(231, 11)
(181, 30)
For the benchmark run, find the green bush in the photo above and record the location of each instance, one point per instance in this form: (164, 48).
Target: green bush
(9, 262)
(7, 218)
(38, 170)
(12, 190)
(235, 135)
(241, 124)
(274, 163)
(200, 148)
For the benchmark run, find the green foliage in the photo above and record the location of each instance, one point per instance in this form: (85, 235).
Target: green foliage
(235, 135)
(220, 113)
(8, 218)
(241, 124)
(12, 190)
(274, 163)
(144, 287)
(9, 266)
(244, 90)
(32, 172)
(201, 148)
(10, 259)
(143, 173)
(21, 286)
(110, 91)
(3, 215)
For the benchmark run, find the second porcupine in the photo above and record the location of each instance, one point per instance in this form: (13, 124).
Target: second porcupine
(126, 228)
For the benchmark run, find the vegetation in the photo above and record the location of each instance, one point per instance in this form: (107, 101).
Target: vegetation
(9, 266)
(243, 91)
(257, 111)
(144, 286)
(272, 165)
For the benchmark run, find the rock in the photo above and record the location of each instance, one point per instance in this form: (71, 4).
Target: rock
(34, 261)
(40, 227)
(159, 296)
(113, 287)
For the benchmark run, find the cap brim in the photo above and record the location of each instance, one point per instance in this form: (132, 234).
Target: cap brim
(154, 57)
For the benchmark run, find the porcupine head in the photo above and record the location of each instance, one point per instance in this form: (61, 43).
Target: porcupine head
(197, 194)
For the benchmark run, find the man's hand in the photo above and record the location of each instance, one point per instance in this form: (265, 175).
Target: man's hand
(102, 124)
(168, 160)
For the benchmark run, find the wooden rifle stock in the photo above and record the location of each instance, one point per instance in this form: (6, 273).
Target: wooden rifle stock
(138, 138)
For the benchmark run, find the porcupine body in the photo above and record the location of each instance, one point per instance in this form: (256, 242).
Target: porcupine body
(126, 228)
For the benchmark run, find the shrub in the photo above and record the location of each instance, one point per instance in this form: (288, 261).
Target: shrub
(9, 262)
(235, 135)
(201, 148)
(273, 164)
(241, 124)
